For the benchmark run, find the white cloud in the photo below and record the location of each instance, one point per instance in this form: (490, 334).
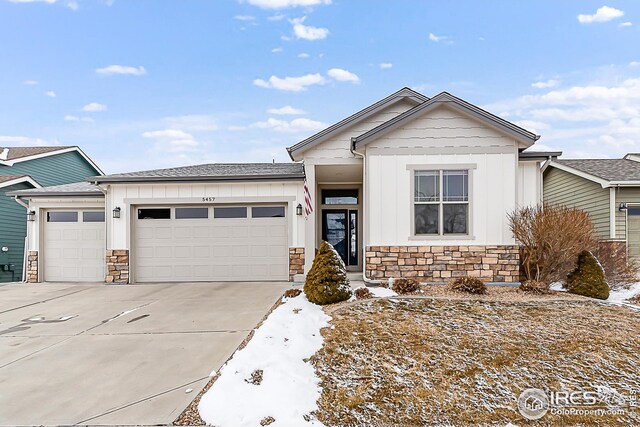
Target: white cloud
(437, 39)
(94, 107)
(307, 32)
(625, 24)
(277, 50)
(73, 5)
(293, 126)
(532, 125)
(545, 84)
(286, 110)
(192, 122)
(386, 65)
(32, 1)
(603, 14)
(283, 4)
(343, 75)
(50, 94)
(276, 17)
(167, 134)
(24, 141)
(634, 63)
(122, 70)
(70, 118)
(291, 84)
(303, 55)
(30, 82)
(244, 18)
(172, 140)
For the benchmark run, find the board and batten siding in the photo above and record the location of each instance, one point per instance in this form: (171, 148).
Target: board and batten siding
(163, 194)
(64, 168)
(564, 188)
(441, 137)
(13, 229)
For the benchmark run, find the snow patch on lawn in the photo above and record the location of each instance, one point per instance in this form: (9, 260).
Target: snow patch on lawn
(380, 292)
(620, 296)
(289, 387)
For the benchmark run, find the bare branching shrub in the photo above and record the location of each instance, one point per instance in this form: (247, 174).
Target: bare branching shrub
(551, 237)
(292, 293)
(618, 269)
(405, 286)
(468, 284)
(534, 287)
(363, 293)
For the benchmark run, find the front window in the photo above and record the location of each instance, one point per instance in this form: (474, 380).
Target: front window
(441, 202)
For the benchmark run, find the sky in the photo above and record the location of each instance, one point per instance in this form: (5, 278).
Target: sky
(144, 84)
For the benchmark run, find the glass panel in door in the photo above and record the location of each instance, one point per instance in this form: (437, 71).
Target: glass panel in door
(334, 231)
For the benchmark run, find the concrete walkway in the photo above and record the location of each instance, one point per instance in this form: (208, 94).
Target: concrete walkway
(118, 355)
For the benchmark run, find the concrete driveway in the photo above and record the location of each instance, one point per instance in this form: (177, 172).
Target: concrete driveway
(118, 355)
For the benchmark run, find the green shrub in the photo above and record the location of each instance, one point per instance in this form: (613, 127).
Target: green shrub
(404, 286)
(363, 293)
(588, 278)
(327, 281)
(534, 287)
(471, 285)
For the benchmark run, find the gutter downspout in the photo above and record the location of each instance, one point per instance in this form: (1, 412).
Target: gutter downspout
(25, 255)
(352, 148)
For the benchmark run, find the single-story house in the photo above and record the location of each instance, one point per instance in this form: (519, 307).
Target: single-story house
(608, 189)
(409, 186)
(23, 168)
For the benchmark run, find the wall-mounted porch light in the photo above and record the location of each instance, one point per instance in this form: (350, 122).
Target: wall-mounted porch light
(31, 216)
(116, 212)
(622, 207)
(299, 209)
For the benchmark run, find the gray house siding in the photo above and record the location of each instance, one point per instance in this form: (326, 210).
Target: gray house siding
(56, 169)
(13, 229)
(625, 195)
(564, 188)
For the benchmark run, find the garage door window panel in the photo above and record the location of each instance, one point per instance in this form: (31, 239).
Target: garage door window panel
(62, 216)
(154, 213)
(192, 213)
(267, 212)
(231, 212)
(91, 216)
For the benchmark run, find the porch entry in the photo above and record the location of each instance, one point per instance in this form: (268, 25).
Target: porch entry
(340, 224)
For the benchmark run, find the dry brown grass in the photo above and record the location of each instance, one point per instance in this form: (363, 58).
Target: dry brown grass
(464, 361)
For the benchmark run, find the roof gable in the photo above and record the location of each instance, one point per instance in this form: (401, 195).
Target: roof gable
(605, 172)
(12, 155)
(403, 94)
(444, 98)
(9, 180)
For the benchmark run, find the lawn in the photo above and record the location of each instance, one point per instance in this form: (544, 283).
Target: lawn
(464, 360)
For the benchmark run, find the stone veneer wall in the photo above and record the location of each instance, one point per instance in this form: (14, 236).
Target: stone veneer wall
(296, 262)
(32, 267)
(117, 266)
(441, 263)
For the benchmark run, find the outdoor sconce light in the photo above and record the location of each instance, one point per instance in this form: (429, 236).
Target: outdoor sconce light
(622, 207)
(116, 212)
(299, 209)
(31, 216)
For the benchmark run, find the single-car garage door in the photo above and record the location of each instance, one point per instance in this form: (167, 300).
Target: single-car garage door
(74, 246)
(211, 243)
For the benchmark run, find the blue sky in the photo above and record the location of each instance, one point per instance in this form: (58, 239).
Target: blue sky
(140, 84)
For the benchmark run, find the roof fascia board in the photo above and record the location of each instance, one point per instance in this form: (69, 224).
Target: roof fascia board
(142, 179)
(323, 135)
(54, 194)
(444, 98)
(53, 153)
(603, 182)
(20, 180)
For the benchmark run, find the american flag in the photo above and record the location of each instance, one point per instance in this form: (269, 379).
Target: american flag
(308, 207)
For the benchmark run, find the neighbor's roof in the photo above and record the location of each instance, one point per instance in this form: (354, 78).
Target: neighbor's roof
(618, 170)
(20, 152)
(74, 189)
(10, 178)
(213, 172)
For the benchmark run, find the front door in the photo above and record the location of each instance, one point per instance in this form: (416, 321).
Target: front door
(340, 228)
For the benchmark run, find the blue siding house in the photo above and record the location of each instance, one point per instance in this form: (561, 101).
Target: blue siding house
(23, 168)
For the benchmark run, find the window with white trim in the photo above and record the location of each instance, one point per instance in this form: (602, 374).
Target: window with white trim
(441, 202)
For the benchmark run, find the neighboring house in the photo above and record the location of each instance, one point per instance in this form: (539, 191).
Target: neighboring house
(608, 189)
(410, 186)
(23, 168)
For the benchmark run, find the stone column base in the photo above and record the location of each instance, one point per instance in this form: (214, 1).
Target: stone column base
(296, 262)
(493, 263)
(117, 266)
(32, 267)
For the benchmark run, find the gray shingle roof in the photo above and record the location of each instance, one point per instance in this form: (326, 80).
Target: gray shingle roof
(20, 152)
(213, 172)
(607, 169)
(74, 189)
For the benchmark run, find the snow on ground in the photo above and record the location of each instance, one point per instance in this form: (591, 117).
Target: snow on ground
(289, 387)
(381, 292)
(620, 296)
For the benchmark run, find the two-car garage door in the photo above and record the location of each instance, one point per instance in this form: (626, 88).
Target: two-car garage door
(210, 243)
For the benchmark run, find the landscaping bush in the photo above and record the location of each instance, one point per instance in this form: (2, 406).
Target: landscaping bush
(363, 293)
(588, 278)
(534, 287)
(468, 284)
(404, 286)
(292, 293)
(618, 269)
(327, 281)
(551, 238)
